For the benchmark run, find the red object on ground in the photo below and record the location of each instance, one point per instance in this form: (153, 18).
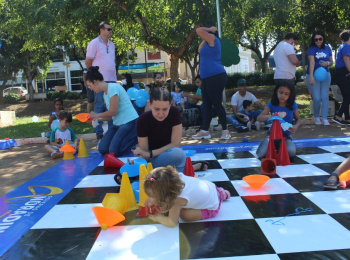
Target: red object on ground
(188, 171)
(276, 130)
(283, 156)
(112, 161)
(146, 211)
(271, 150)
(268, 166)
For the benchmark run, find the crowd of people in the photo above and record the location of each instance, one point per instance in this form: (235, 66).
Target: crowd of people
(155, 132)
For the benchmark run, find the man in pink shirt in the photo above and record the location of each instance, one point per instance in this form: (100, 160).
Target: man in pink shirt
(101, 52)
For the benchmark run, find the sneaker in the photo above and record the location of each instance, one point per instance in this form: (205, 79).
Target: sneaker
(225, 135)
(242, 129)
(339, 122)
(217, 127)
(317, 121)
(201, 135)
(57, 154)
(257, 125)
(325, 122)
(249, 125)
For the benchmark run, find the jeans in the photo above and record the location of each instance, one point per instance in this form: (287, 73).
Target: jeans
(320, 94)
(119, 139)
(174, 157)
(262, 149)
(212, 89)
(233, 120)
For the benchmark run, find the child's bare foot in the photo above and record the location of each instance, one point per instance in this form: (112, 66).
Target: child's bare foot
(226, 195)
(201, 166)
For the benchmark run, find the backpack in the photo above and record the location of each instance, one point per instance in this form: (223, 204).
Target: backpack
(190, 117)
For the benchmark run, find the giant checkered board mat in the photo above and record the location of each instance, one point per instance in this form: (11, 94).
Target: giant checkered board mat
(290, 217)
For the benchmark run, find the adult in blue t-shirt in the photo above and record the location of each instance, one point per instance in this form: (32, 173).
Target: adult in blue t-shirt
(214, 80)
(121, 136)
(342, 77)
(319, 55)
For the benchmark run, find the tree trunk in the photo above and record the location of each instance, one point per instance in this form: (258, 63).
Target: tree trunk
(29, 78)
(264, 66)
(2, 89)
(174, 68)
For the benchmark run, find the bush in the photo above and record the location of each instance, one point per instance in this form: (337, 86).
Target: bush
(11, 98)
(72, 95)
(52, 95)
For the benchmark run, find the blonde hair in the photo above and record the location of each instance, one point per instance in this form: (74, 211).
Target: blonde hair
(165, 185)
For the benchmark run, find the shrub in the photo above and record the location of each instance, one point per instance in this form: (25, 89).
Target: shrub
(11, 98)
(52, 95)
(72, 95)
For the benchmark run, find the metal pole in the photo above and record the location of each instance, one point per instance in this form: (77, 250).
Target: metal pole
(219, 32)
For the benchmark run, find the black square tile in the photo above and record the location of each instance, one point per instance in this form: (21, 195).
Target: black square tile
(235, 155)
(213, 164)
(310, 150)
(227, 185)
(328, 167)
(342, 218)
(297, 160)
(321, 255)
(344, 154)
(239, 173)
(307, 183)
(222, 239)
(100, 170)
(88, 195)
(279, 205)
(64, 243)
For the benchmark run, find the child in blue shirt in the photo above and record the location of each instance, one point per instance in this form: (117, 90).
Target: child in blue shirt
(247, 116)
(58, 103)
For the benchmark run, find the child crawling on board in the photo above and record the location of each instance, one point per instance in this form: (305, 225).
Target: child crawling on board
(182, 196)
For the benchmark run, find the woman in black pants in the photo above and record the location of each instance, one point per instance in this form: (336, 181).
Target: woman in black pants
(342, 77)
(214, 80)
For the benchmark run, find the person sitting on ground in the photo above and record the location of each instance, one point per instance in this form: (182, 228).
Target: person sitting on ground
(159, 133)
(178, 100)
(60, 134)
(283, 103)
(182, 196)
(237, 105)
(58, 103)
(157, 81)
(196, 97)
(333, 180)
(127, 82)
(247, 113)
(121, 136)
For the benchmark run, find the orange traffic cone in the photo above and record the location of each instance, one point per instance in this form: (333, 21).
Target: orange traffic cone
(112, 161)
(276, 130)
(107, 217)
(271, 150)
(283, 156)
(345, 176)
(268, 166)
(68, 151)
(188, 171)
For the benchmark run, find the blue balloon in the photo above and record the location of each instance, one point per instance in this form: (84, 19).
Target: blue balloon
(140, 101)
(320, 74)
(55, 123)
(143, 93)
(132, 93)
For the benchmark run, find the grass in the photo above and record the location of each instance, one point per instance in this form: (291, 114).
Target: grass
(26, 128)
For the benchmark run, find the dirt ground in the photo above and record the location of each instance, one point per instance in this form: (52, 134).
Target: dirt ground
(20, 164)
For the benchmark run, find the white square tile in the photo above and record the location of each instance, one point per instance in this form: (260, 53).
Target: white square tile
(232, 209)
(106, 180)
(336, 148)
(203, 157)
(247, 257)
(298, 170)
(212, 175)
(69, 216)
(273, 186)
(321, 158)
(305, 233)
(331, 201)
(239, 163)
(137, 242)
(123, 159)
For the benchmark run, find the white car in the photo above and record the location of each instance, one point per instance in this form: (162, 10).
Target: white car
(21, 91)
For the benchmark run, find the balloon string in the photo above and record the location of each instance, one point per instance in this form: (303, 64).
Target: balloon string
(297, 212)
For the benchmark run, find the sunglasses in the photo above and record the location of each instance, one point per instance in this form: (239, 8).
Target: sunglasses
(318, 39)
(108, 29)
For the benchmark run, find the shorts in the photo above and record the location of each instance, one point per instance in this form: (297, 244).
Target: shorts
(207, 213)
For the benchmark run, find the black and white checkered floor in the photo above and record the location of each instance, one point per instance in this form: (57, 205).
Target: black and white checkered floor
(290, 217)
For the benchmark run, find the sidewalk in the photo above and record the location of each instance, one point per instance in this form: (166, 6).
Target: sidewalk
(20, 164)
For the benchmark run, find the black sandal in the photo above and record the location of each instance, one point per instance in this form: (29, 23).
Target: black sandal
(119, 180)
(332, 184)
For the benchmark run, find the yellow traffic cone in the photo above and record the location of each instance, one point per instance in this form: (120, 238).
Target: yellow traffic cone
(149, 167)
(142, 194)
(115, 202)
(82, 149)
(127, 193)
(67, 150)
